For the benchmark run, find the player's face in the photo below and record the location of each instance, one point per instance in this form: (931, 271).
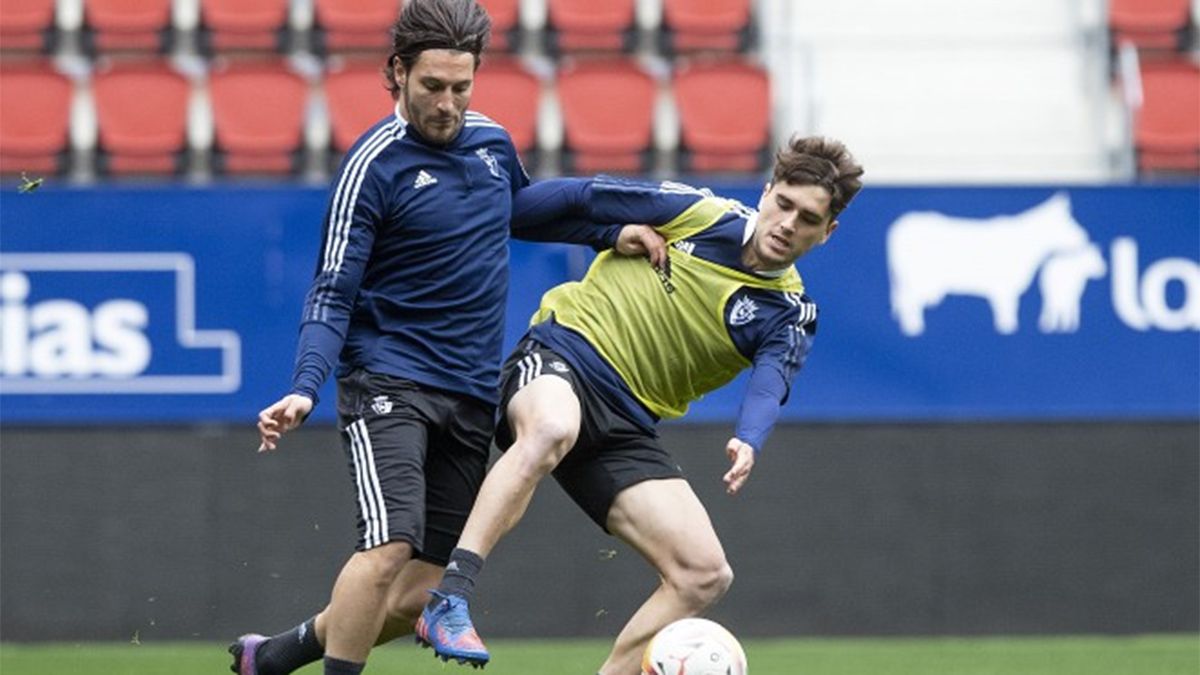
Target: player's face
(436, 92)
(792, 219)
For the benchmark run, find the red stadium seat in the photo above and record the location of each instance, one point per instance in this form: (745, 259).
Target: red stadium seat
(505, 16)
(24, 24)
(243, 24)
(608, 115)
(258, 117)
(1148, 24)
(141, 112)
(127, 25)
(724, 114)
(509, 94)
(591, 25)
(720, 25)
(356, 98)
(35, 112)
(348, 25)
(1167, 130)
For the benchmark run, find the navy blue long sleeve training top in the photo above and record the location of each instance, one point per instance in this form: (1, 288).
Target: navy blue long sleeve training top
(412, 276)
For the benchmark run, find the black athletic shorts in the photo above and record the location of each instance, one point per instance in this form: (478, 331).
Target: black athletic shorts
(611, 453)
(417, 456)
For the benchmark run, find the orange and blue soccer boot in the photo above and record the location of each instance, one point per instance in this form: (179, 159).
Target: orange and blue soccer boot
(448, 629)
(244, 650)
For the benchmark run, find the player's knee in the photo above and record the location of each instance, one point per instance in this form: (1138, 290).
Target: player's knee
(382, 564)
(724, 580)
(704, 582)
(714, 582)
(545, 441)
(534, 462)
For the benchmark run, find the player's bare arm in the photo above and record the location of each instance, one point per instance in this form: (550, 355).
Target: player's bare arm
(281, 417)
(741, 454)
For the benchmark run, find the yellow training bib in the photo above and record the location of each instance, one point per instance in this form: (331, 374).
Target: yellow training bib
(665, 336)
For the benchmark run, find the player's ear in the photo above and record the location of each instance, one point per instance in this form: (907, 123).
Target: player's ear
(833, 225)
(762, 199)
(399, 74)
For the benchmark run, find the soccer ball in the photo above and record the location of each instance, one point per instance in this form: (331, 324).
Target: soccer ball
(694, 647)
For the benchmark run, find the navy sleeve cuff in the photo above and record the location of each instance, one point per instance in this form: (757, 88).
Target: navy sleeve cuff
(760, 407)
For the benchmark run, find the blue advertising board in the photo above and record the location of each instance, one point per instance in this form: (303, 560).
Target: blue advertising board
(181, 304)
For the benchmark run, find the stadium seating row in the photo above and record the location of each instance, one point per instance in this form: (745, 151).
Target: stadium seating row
(340, 25)
(1025, 59)
(261, 118)
(1152, 24)
(569, 24)
(1167, 124)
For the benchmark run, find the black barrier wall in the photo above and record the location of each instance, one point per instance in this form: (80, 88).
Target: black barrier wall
(169, 533)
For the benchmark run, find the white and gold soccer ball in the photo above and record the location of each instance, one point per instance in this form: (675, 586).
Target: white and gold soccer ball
(694, 647)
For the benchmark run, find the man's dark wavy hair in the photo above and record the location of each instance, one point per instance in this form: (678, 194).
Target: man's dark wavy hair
(459, 25)
(820, 161)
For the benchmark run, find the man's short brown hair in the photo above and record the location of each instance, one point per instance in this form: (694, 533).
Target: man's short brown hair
(820, 161)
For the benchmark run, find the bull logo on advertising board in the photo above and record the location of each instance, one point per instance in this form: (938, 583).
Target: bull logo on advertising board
(932, 256)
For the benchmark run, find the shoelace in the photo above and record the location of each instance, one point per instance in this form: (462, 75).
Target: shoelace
(452, 616)
(454, 620)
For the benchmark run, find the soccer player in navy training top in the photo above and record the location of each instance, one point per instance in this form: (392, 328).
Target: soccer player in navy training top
(607, 357)
(408, 302)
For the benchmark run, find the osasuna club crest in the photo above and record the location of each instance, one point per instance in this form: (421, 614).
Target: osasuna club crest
(743, 311)
(381, 405)
(492, 165)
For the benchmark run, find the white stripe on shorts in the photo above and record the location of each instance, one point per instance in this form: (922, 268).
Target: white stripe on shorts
(370, 494)
(531, 367)
(521, 377)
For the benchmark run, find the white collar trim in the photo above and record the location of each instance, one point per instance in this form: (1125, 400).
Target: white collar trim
(751, 223)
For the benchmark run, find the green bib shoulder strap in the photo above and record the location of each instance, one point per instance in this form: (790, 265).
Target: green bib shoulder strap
(697, 218)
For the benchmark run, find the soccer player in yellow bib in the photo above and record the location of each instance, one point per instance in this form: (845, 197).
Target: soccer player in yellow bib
(607, 357)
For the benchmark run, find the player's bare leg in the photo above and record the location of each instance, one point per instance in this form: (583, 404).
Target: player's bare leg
(665, 522)
(405, 599)
(358, 606)
(544, 416)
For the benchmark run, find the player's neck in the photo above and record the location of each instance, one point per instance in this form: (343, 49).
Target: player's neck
(753, 263)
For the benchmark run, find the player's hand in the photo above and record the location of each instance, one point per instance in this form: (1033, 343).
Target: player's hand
(742, 456)
(643, 240)
(281, 417)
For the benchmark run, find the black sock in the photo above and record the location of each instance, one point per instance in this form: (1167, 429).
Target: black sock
(290, 650)
(339, 667)
(461, 571)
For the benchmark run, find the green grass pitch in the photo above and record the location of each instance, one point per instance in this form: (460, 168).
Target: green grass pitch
(1139, 655)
